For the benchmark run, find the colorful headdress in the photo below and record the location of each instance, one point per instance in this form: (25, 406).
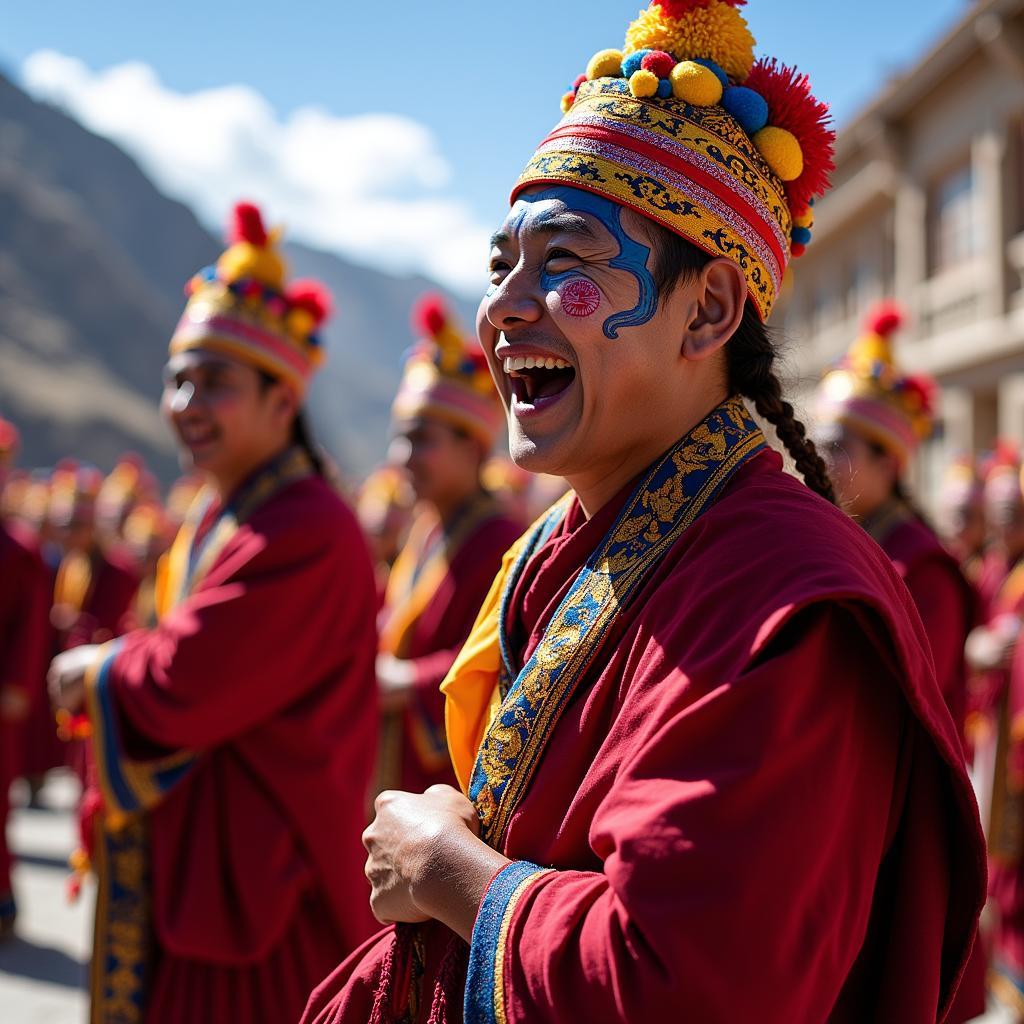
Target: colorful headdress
(243, 307)
(385, 492)
(73, 492)
(10, 441)
(866, 391)
(128, 484)
(684, 127)
(1002, 473)
(447, 377)
(962, 484)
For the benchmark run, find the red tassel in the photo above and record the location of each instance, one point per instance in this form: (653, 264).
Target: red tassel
(680, 8)
(791, 106)
(429, 316)
(247, 225)
(311, 296)
(884, 318)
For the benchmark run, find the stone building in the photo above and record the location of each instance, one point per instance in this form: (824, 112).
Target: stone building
(928, 207)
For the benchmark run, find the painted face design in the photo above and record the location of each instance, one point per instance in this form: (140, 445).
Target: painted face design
(632, 257)
(580, 297)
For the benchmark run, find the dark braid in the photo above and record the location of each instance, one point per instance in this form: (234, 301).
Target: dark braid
(749, 359)
(302, 436)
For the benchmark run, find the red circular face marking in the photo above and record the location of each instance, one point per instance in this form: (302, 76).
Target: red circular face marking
(580, 297)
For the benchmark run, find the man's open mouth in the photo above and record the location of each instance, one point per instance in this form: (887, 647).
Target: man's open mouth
(535, 379)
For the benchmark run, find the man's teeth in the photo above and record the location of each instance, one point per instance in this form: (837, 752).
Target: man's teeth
(534, 363)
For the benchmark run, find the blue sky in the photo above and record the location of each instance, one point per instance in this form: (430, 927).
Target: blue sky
(482, 80)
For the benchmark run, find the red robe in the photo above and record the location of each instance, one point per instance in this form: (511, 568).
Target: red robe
(24, 606)
(947, 606)
(414, 755)
(756, 808)
(263, 673)
(102, 616)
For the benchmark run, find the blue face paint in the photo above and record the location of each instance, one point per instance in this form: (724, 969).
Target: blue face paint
(632, 257)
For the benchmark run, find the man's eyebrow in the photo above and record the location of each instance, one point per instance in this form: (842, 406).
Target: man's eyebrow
(550, 224)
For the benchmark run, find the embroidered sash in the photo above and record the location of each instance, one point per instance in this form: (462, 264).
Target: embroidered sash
(669, 499)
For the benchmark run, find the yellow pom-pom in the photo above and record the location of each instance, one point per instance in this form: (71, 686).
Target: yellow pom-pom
(806, 220)
(643, 83)
(243, 260)
(568, 99)
(300, 323)
(717, 32)
(781, 152)
(605, 64)
(695, 84)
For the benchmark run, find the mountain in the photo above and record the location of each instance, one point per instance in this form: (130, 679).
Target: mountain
(92, 263)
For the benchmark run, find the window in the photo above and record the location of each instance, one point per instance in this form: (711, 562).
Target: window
(953, 219)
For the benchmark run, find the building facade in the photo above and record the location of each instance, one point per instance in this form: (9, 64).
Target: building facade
(928, 208)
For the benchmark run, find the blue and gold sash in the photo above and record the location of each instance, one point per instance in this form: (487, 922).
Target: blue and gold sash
(518, 718)
(123, 936)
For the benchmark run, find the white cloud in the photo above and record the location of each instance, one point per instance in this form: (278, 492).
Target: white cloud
(370, 186)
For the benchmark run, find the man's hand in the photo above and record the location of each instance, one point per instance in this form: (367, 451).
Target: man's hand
(66, 678)
(427, 859)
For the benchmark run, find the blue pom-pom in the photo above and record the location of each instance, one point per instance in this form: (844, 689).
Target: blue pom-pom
(801, 235)
(664, 89)
(632, 62)
(208, 273)
(748, 107)
(712, 66)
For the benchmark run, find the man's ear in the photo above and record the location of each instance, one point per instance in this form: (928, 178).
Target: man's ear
(719, 295)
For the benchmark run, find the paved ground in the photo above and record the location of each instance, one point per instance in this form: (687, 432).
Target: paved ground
(43, 970)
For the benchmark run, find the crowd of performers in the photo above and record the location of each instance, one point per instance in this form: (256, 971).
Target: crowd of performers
(695, 745)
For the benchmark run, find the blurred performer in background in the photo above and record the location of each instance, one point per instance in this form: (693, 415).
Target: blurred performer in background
(127, 484)
(871, 418)
(24, 605)
(234, 741)
(707, 771)
(147, 534)
(385, 509)
(962, 517)
(446, 418)
(993, 652)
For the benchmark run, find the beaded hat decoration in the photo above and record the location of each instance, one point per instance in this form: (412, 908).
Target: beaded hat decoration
(446, 376)
(867, 391)
(243, 307)
(683, 126)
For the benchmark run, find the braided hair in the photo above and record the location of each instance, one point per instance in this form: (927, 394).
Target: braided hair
(749, 359)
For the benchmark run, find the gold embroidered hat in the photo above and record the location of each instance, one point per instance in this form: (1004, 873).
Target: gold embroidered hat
(446, 376)
(683, 126)
(243, 307)
(867, 391)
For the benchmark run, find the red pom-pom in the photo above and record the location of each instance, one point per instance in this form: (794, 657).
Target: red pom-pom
(9, 436)
(429, 316)
(1006, 453)
(884, 318)
(311, 296)
(659, 62)
(791, 106)
(797, 249)
(680, 8)
(247, 225)
(580, 79)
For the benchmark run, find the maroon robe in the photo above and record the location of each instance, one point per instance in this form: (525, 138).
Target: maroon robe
(103, 615)
(265, 672)
(419, 759)
(948, 607)
(757, 808)
(24, 606)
